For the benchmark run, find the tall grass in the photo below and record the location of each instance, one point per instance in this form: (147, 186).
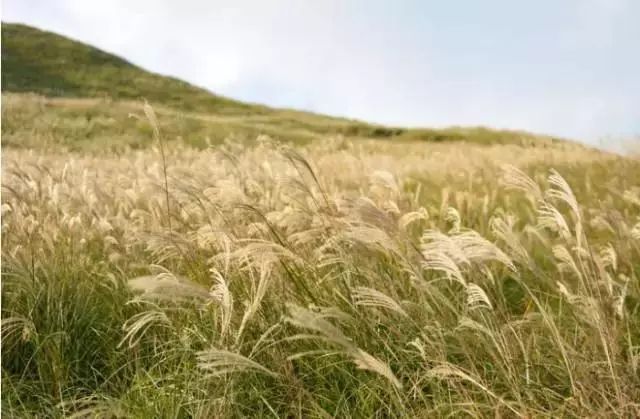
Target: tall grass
(336, 279)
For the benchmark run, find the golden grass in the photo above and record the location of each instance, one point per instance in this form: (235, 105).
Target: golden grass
(96, 125)
(338, 278)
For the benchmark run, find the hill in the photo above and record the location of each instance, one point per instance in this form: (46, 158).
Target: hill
(53, 65)
(89, 93)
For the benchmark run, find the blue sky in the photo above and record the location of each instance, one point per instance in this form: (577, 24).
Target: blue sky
(569, 68)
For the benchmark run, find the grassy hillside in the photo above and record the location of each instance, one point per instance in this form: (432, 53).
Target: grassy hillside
(34, 121)
(382, 272)
(53, 65)
(46, 74)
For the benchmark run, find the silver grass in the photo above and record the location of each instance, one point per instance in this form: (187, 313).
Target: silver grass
(308, 236)
(587, 307)
(391, 207)
(419, 345)
(463, 248)
(502, 228)
(365, 361)
(561, 191)
(369, 297)
(254, 252)
(307, 319)
(218, 362)
(441, 262)
(167, 286)
(549, 217)
(470, 324)
(609, 257)
(138, 325)
(449, 372)
(480, 250)
(256, 299)
(370, 237)
(384, 179)
(618, 304)
(221, 293)
(566, 263)
(514, 178)
(412, 217)
(477, 297)
(364, 211)
(16, 328)
(452, 216)
(434, 243)
(92, 407)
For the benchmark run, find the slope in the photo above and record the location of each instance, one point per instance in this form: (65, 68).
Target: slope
(76, 95)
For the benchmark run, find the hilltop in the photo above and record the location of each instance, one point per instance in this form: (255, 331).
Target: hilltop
(89, 93)
(52, 65)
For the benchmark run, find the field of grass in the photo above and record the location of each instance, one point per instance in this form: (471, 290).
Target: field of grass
(336, 278)
(84, 124)
(209, 258)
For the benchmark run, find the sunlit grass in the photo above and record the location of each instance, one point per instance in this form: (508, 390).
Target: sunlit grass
(337, 278)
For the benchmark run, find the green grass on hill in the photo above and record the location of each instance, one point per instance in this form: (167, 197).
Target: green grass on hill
(58, 68)
(53, 65)
(34, 121)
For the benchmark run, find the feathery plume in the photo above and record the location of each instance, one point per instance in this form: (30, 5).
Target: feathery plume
(369, 297)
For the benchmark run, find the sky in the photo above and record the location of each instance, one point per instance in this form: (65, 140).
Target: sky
(568, 68)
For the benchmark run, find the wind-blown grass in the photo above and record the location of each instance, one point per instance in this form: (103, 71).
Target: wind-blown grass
(334, 279)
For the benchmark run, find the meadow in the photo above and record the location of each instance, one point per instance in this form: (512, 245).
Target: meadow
(334, 277)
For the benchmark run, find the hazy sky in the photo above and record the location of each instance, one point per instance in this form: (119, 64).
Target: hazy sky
(569, 68)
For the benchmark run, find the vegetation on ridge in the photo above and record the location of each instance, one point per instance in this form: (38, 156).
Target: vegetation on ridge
(49, 64)
(62, 72)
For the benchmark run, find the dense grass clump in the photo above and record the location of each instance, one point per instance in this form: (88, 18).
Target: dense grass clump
(334, 279)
